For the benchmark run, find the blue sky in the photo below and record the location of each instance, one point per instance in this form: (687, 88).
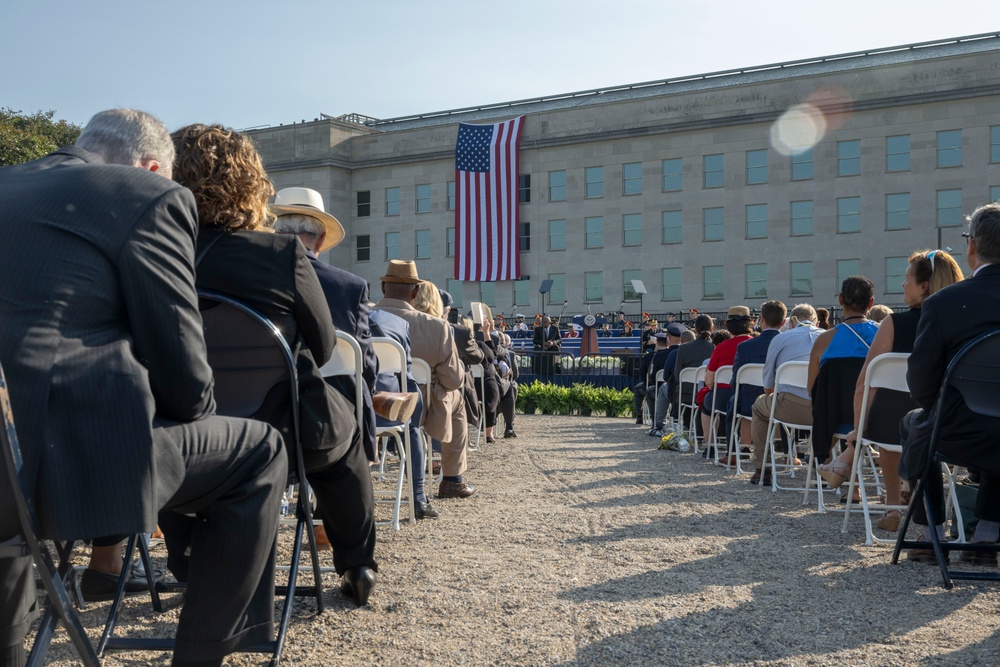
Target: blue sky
(252, 63)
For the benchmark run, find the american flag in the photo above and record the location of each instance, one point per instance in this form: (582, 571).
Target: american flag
(486, 210)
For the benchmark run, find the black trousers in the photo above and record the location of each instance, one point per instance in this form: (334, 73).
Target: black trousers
(508, 401)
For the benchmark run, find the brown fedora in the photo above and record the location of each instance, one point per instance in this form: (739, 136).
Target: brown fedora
(401, 271)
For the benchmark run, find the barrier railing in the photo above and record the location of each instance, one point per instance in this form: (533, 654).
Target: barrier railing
(618, 370)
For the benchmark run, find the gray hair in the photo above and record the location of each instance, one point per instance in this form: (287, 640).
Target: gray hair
(984, 228)
(127, 136)
(298, 224)
(802, 312)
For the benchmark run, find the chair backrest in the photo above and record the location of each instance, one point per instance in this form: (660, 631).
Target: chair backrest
(975, 373)
(421, 371)
(793, 374)
(688, 374)
(347, 360)
(391, 358)
(724, 375)
(659, 376)
(476, 370)
(752, 374)
(888, 371)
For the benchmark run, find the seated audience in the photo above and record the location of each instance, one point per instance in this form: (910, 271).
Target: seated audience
(693, 354)
(879, 312)
(665, 397)
(490, 397)
(507, 372)
(236, 250)
(823, 318)
(717, 395)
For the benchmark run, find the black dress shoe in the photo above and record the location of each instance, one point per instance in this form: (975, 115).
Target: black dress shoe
(490, 439)
(357, 584)
(509, 434)
(978, 557)
(425, 511)
(97, 586)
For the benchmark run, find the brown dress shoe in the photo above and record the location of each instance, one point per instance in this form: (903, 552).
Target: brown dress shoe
(979, 558)
(455, 490)
(322, 541)
(394, 406)
(923, 555)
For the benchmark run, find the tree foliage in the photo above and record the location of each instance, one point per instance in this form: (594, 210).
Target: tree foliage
(24, 137)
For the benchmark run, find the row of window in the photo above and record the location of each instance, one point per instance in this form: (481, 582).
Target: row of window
(949, 213)
(897, 159)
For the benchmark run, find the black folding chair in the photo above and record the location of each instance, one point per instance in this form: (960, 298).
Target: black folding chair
(58, 607)
(250, 358)
(975, 374)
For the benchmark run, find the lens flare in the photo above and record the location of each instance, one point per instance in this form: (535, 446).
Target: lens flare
(800, 128)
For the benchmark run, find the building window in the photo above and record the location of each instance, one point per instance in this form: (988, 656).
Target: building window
(670, 284)
(424, 198)
(594, 284)
(557, 234)
(757, 167)
(558, 292)
(672, 179)
(995, 193)
(391, 245)
(488, 293)
(897, 153)
(848, 158)
(524, 240)
(672, 229)
(756, 221)
(628, 292)
(802, 218)
(714, 176)
(524, 189)
(594, 187)
(455, 289)
(845, 269)
(713, 223)
(949, 148)
(392, 201)
(995, 143)
(949, 208)
(632, 178)
(632, 229)
(802, 165)
(594, 231)
(522, 291)
(363, 248)
(897, 211)
(557, 186)
(712, 286)
(423, 248)
(801, 279)
(895, 273)
(364, 201)
(756, 281)
(451, 195)
(450, 242)
(848, 215)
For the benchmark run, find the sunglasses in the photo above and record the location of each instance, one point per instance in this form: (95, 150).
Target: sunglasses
(930, 256)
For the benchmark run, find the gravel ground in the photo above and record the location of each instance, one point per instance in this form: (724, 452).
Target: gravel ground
(585, 545)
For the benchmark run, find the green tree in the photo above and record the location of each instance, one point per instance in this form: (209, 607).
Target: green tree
(24, 137)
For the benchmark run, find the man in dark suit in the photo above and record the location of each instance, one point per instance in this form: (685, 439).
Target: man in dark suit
(754, 351)
(105, 358)
(949, 319)
(547, 341)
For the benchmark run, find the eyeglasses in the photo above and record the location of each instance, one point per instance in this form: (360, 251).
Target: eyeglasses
(968, 237)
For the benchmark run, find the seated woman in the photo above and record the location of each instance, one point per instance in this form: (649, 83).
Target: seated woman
(928, 272)
(834, 364)
(238, 255)
(491, 388)
(626, 329)
(738, 324)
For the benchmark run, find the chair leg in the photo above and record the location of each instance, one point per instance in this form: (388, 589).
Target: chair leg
(59, 607)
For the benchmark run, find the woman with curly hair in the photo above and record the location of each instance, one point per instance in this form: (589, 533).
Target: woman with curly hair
(238, 255)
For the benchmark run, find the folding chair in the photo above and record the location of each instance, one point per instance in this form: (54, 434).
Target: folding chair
(723, 375)
(975, 374)
(58, 607)
(249, 357)
(695, 376)
(748, 375)
(480, 380)
(421, 372)
(392, 359)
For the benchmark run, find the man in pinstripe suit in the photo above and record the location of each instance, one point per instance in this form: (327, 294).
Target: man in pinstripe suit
(105, 358)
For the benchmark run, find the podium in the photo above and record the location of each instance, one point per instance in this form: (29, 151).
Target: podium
(588, 339)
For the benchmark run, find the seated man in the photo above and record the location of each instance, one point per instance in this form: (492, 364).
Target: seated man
(792, 404)
(507, 372)
(105, 358)
(663, 397)
(949, 319)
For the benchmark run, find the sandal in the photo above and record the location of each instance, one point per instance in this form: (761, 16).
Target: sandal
(835, 473)
(889, 521)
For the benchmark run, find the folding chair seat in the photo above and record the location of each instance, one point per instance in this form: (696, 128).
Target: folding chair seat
(249, 358)
(716, 413)
(974, 372)
(58, 608)
(748, 375)
(392, 359)
(478, 376)
(421, 372)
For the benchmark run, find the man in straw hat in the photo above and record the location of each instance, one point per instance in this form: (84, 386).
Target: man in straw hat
(431, 339)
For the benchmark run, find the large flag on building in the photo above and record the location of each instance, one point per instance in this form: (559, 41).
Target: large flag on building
(486, 229)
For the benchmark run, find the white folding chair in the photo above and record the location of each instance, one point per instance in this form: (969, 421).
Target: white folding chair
(647, 416)
(392, 359)
(696, 376)
(748, 375)
(716, 413)
(886, 371)
(421, 372)
(478, 376)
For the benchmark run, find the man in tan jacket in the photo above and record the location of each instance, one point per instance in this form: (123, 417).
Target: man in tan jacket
(431, 339)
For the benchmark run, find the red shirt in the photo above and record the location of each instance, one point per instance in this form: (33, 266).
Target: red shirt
(725, 353)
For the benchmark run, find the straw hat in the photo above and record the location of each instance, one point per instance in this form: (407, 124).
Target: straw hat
(738, 313)
(305, 201)
(401, 271)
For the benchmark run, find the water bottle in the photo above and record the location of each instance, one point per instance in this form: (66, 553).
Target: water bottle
(284, 504)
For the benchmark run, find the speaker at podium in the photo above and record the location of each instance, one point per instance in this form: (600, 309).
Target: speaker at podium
(588, 337)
